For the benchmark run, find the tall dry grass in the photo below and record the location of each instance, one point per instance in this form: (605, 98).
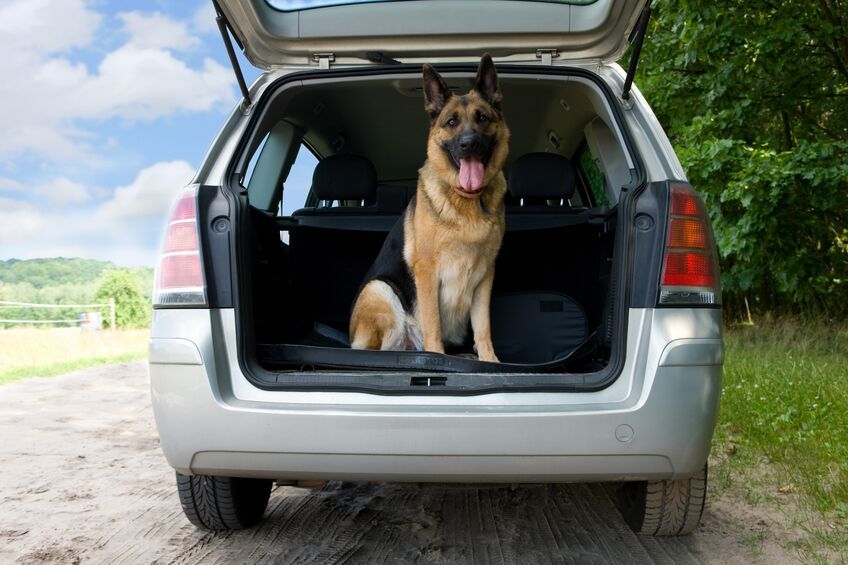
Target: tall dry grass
(30, 352)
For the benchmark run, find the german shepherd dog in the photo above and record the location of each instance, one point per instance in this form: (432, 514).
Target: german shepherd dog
(436, 268)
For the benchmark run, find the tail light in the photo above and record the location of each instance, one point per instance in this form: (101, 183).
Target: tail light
(179, 277)
(690, 266)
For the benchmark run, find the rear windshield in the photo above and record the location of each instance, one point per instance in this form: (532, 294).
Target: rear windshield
(295, 5)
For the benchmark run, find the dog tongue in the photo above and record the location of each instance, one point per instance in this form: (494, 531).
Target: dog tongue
(470, 175)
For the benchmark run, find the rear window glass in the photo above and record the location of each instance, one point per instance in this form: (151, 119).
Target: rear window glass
(294, 5)
(299, 182)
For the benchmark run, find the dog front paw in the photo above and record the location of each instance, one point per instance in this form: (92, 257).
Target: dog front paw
(434, 348)
(489, 357)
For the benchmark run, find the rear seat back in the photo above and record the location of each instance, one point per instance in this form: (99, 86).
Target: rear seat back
(540, 188)
(349, 180)
(332, 247)
(539, 182)
(547, 240)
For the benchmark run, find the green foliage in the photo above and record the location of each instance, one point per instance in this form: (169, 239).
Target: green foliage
(41, 273)
(131, 308)
(58, 281)
(754, 96)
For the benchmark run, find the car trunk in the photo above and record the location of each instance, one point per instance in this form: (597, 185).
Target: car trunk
(556, 323)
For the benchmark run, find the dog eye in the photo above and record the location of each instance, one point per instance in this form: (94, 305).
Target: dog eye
(452, 122)
(482, 118)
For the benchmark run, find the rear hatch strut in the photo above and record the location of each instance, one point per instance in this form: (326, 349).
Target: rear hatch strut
(224, 25)
(639, 35)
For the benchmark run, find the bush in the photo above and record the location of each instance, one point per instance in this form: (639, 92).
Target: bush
(752, 94)
(131, 309)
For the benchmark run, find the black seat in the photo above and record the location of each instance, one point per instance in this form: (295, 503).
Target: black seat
(348, 180)
(332, 247)
(541, 181)
(549, 246)
(540, 188)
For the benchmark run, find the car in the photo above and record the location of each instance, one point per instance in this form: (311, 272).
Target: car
(606, 307)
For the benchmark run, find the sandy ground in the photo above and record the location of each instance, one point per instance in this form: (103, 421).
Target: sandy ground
(82, 480)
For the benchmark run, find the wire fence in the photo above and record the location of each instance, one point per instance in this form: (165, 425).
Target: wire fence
(8, 305)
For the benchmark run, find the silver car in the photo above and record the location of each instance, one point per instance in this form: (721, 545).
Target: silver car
(606, 310)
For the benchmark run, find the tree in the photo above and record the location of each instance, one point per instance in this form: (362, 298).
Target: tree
(754, 95)
(131, 309)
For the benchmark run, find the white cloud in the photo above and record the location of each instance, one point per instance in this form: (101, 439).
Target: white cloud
(143, 83)
(157, 32)
(61, 192)
(20, 221)
(203, 20)
(48, 96)
(46, 26)
(127, 228)
(11, 185)
(149, 195)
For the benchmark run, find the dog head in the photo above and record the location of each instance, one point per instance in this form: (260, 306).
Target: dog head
(468, 140)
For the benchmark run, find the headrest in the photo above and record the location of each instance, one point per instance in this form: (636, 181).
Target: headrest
(542, 176)
(344, 177)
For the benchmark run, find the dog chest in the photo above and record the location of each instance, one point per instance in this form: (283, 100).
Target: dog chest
(461, 269)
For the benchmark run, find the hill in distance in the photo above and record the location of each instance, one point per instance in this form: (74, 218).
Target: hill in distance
(63, 271)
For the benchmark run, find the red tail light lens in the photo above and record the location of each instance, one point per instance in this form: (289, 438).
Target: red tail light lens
(181, 236)
(684, 203)
(690, 267)
(180, 271)
(179, 276)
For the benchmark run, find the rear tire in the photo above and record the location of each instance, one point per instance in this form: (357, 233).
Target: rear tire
(223, 503)
(664, 508)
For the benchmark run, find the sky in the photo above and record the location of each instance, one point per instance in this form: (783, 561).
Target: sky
(106, 109)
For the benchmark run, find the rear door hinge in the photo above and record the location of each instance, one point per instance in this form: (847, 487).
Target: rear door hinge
(547, 55)
(323, 59)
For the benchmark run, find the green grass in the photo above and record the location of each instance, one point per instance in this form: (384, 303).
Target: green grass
(61, 368)
(784, 421)
(33, 352)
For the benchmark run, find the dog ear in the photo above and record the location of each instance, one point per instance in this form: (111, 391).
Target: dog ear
(436, 92)
(487, 82)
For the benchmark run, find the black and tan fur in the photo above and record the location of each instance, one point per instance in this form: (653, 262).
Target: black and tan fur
(436, 268)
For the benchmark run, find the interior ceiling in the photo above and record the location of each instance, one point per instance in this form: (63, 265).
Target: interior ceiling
(385, 120)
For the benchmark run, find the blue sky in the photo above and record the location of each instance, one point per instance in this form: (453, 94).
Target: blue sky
(106, 109)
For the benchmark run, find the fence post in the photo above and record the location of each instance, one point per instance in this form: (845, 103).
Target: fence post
(112, 313)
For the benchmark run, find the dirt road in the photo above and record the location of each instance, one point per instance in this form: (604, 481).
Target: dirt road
(82, 480)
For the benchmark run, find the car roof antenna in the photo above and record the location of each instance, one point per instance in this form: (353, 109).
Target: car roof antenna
(223, 25)
(639, 34)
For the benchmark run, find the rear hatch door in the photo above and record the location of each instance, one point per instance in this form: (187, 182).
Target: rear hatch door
(304, 32)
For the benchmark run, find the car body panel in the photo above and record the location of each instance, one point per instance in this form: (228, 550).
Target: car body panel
(432, 30)
(659, 427)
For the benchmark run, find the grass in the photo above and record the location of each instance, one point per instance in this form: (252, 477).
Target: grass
(45, 352)
(782, 435)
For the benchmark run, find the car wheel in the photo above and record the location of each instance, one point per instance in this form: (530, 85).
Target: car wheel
(223, 503)
(664, 508)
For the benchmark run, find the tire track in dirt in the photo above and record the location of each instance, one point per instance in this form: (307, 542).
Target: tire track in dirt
(82, 480)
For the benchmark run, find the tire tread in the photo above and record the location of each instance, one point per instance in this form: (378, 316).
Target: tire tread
(222, 503)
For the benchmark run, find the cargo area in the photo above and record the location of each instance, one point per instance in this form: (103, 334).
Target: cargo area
(329, 167)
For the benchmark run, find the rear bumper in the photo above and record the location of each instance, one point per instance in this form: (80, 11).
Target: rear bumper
(655, 421)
